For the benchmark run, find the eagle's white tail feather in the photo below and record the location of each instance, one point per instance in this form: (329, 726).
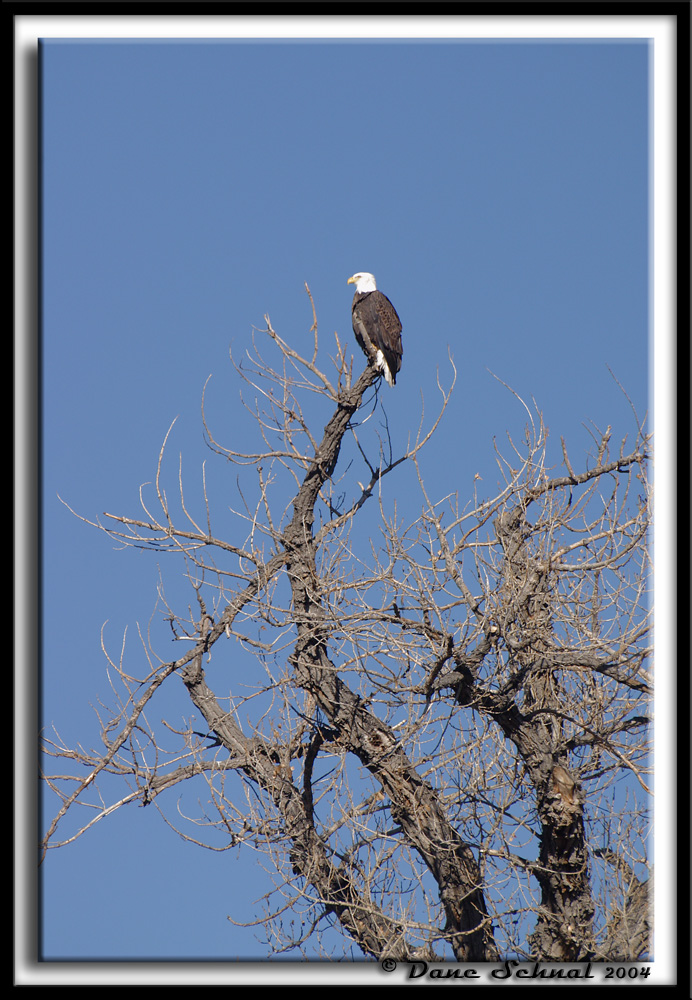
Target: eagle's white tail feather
(383, 367)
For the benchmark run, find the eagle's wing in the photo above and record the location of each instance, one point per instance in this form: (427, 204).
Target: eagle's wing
(389, 326)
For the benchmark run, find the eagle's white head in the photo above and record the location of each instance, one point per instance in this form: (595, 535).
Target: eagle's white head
(363, 281)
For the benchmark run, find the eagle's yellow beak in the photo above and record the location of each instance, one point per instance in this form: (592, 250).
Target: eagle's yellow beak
(351, 280)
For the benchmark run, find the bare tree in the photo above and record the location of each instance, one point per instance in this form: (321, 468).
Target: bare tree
(443, 750)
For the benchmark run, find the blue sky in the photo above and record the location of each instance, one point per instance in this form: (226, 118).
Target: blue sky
(498, 191)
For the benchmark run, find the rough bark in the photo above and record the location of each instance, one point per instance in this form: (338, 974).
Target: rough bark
(413, 803)
(375, 935)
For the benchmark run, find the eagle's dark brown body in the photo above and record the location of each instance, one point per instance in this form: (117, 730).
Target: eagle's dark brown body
(378, 328)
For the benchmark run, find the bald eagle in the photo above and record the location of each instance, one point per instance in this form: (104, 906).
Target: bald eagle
(376, 325)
